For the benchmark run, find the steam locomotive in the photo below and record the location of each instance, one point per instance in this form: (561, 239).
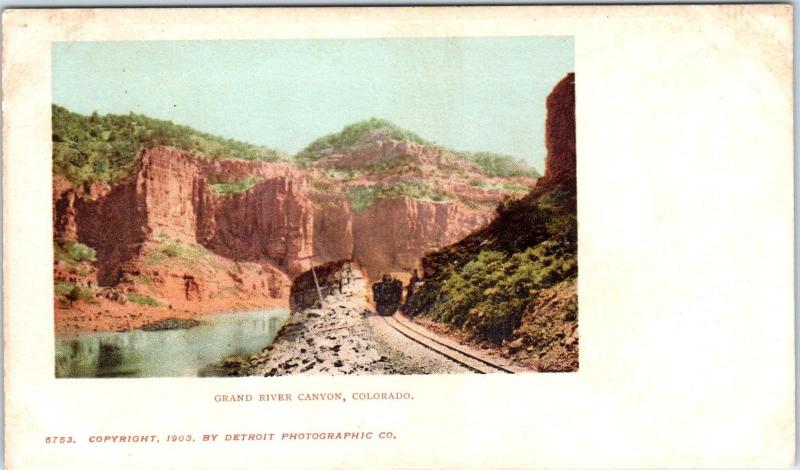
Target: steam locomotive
(387, 293)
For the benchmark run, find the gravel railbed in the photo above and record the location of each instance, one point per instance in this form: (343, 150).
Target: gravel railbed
(343, 338)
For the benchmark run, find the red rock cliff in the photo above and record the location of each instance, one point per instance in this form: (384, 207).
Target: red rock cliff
(394, 234)
(272, 221)
(277, 221)
(560, 138)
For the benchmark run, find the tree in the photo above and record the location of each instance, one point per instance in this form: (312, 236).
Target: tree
(73, 295)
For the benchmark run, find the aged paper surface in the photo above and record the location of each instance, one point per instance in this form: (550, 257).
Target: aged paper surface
(685, 235)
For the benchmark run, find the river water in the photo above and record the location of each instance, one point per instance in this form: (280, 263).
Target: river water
(168, 353)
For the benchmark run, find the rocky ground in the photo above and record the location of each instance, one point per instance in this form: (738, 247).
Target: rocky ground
(344, 337)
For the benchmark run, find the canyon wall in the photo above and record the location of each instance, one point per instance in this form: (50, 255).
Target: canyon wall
(272, 221)
(279, 220)
(394, 234)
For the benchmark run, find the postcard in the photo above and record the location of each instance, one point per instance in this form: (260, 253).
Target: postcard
(451, 237)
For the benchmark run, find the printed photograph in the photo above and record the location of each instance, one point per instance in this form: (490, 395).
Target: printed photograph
(314, 206)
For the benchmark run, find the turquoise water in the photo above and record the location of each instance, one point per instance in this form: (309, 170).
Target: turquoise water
(169, 353)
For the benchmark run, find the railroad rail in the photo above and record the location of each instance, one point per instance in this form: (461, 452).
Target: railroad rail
(443, 349)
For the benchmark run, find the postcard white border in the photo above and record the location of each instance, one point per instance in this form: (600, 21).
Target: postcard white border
(684, 124)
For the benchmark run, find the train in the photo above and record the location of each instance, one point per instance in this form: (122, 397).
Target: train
(387, 293)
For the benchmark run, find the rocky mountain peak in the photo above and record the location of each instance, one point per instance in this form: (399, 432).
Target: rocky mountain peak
(560, 137)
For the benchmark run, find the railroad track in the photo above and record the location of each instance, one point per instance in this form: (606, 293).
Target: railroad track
(462, 358)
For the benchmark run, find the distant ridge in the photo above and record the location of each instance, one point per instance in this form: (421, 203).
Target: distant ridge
(104, 148)
(375, 130)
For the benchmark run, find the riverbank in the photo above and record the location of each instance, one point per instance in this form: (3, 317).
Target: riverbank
(102, 315)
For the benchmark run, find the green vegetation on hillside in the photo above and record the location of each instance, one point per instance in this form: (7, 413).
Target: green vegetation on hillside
(73, 252)
(357, 133)
(145, 300)
(71, 292)
(234, 187)
(400, 164)
(363, 197)
(173, 252)
(485, 283)
(506, 187)
(494, 164)
(489, 293)
(396, 164)
(105, 147)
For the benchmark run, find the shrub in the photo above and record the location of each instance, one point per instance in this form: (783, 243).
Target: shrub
(72, 292)
(80, 252)
(143, 279)
(74, 252)
(400, 163)
(514, 188)
(324, 187)
(234, 187)
(493, 164)
(173, 252)
(415, 188)
(143, 300)
(342, 174)
(63, 288)
(172, 249)
(361, 197)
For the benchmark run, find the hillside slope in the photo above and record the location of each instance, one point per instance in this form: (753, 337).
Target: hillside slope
(513, 283)
(375, 160)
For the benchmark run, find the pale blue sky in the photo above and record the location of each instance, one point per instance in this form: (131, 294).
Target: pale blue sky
(465, 93)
